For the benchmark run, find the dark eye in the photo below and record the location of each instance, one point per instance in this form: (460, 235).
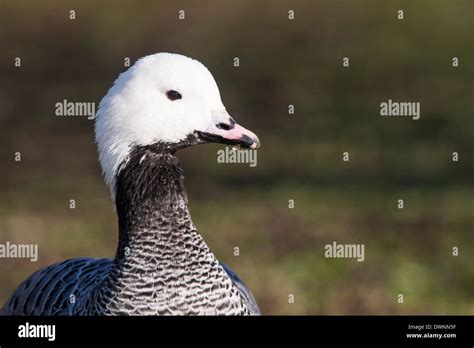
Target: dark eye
(173, 95)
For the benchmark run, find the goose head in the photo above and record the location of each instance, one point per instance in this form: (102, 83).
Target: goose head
(167, 99)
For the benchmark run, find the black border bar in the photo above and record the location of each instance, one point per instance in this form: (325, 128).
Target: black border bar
(347, 330)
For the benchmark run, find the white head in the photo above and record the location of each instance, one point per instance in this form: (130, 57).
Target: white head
(164, 98)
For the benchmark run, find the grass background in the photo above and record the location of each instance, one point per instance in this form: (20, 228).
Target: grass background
(282, 62)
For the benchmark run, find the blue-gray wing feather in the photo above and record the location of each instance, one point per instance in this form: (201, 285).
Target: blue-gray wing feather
(59, 289)
(244, 291)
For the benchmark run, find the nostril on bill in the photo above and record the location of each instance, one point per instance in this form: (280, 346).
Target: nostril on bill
(225, 126)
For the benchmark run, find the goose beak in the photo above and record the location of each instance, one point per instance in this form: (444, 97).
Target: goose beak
(231, 133)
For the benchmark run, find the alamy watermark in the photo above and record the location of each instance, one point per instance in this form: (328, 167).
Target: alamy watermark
(393, 108)
(346, 251)
(28, 330)
(232, 155)
(19, 251)
(67, 108)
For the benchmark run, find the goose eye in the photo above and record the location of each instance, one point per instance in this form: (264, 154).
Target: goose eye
(173, 95)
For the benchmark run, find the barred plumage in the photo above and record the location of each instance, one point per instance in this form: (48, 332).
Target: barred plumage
(162, 265)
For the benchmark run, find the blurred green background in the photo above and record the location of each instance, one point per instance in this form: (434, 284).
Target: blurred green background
(282, 62)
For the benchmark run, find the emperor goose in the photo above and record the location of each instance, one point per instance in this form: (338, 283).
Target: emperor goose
(163, 103)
